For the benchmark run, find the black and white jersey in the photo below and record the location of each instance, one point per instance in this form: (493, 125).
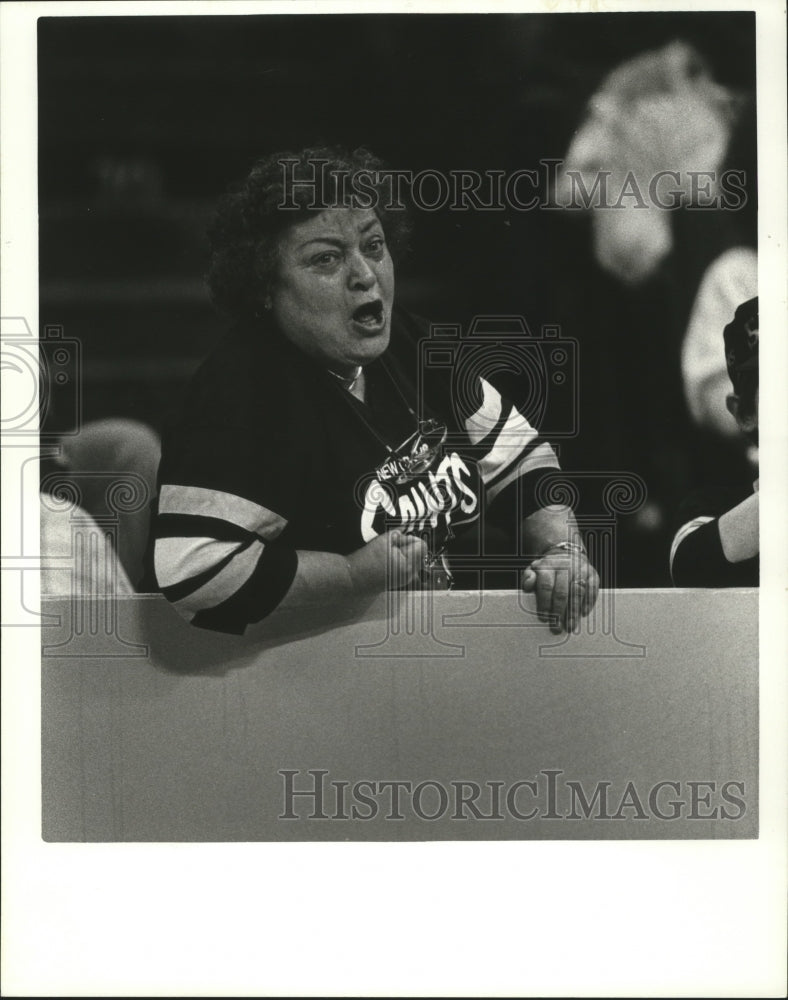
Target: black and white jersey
(697, 555)
(272, 455)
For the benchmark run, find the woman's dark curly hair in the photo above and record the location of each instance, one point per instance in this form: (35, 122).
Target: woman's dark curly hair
(250, 220)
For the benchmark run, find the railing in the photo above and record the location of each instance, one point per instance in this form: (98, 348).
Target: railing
(418, 717)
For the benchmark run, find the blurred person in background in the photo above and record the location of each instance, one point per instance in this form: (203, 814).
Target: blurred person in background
(660, 111)
(77, 488)
(78, 559)
(674, 244)
(730, 279)
(717, 544)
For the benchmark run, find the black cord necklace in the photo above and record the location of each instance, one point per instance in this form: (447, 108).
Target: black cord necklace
(348, 382)
(429, 435)
(427, 440)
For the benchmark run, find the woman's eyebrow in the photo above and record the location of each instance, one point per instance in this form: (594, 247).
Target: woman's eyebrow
(337, 241)
(333, 240)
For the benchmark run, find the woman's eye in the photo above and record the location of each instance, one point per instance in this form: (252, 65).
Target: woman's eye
(376, 245)
(326, 259)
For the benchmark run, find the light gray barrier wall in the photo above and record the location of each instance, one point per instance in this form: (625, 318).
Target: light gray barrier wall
(155, 731)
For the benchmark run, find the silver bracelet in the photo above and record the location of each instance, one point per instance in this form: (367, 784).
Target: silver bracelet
(567, 546)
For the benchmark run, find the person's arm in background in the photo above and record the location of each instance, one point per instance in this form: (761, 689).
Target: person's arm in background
(716, 551)
(565, 583)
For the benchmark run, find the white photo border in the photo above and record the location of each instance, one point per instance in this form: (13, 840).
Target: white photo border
(535, 919)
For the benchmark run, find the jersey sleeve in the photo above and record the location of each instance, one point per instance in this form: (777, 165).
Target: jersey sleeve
(700, 558)
(511, 451)
(697, 558)
(218, 552)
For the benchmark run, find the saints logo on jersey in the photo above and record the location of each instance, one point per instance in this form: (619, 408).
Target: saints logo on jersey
(422, 488)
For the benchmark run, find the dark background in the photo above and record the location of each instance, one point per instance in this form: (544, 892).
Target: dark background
(144, 121)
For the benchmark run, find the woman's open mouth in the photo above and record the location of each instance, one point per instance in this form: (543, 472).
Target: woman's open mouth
(370, 317)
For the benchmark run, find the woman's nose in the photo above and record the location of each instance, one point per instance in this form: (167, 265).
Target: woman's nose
(360, 274)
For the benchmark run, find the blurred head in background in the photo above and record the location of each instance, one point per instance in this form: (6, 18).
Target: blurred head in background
(658, 112)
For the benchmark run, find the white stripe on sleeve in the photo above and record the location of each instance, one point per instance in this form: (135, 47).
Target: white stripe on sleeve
(515, 435)
(682, 533)
(479, 424)
(177, 559)
(203, 502)
(226, 583)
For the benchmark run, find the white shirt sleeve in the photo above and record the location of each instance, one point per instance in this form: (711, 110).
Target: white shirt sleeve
(730, 280)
